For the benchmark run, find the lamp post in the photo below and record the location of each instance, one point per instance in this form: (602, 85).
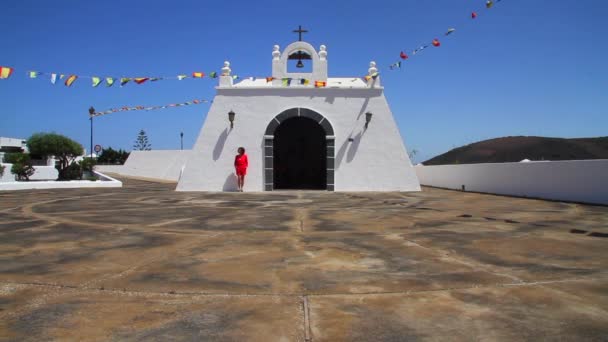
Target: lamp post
(91, 112)
(181, 137)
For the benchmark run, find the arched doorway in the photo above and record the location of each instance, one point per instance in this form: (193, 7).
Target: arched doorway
(299, 155)
(299, 151)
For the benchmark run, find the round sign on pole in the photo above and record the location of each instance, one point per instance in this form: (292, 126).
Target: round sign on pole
(97, 148)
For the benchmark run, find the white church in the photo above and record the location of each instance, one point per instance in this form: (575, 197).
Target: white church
(301, 130)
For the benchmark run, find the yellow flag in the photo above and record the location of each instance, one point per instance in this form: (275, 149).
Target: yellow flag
(96, 80)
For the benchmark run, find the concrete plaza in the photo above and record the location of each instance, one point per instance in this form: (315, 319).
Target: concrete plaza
(146, 263)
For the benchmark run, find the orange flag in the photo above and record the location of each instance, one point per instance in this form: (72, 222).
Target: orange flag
(320, 84)
(70, 80)
(198, 74)
(5, 72)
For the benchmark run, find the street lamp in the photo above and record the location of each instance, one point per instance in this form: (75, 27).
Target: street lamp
(181, 136)
(91, 112)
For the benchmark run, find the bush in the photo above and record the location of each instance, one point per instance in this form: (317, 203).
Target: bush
(64, 149)
(22, 166)
(74, 171)
(11, 157)
(87, 164)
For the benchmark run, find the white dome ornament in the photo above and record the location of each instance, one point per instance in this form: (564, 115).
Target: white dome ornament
(372, 75)
(276, 54)
(226, 69)
(323, 52)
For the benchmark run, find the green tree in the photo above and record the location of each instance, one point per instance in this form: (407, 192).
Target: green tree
(62, 148)
(22, 166)
(111, 156)
(141, 143)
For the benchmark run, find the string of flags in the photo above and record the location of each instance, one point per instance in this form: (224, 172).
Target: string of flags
(172, 105)
(69, 79)
(403, 56)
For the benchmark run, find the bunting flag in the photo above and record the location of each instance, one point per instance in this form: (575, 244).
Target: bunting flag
(395, 65)
(435, 42)
(139, 80)
(269, 79)
(70, 80)
(95, 81)
(109, 81)
(5, 72)
(320, 84)
(304, 81)
(286, 81)
(126, 108)
(124, 80)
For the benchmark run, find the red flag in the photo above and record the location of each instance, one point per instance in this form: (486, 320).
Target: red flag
(436, 42)
(269, 79)
(403, 55)
(473, 15)
(140, 80)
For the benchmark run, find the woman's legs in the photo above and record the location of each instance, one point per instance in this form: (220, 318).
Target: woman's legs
(240, 181)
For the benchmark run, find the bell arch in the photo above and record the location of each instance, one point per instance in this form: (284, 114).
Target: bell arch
(269, 145)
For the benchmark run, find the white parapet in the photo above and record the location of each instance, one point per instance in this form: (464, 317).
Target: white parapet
(574, 180)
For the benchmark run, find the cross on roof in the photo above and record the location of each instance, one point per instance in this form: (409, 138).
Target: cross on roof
(299, 31)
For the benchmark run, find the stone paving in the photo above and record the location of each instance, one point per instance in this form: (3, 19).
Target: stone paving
(146, 263)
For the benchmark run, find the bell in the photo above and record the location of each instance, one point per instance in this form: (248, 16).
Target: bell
(300, 64)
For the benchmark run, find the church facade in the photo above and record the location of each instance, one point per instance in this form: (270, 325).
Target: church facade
(301, 130)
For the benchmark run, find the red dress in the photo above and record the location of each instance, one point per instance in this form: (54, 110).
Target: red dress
(241, 163)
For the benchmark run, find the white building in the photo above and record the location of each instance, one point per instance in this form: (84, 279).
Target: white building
(338, 136)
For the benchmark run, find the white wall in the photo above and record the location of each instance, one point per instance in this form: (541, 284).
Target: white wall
(106, 182)
(375, 161)
(577, 180)
(41, 173)
(160, 164)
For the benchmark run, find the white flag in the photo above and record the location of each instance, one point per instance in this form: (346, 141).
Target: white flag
(53, 78)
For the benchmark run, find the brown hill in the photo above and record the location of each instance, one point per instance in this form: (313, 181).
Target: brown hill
(515, 149)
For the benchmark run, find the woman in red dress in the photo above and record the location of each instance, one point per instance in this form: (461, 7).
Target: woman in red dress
(240, 164)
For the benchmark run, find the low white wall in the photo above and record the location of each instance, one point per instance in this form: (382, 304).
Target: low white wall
(161, 164)
(41, 173)
(109, 182)
(575, 180)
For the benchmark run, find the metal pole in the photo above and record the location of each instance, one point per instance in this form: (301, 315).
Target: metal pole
(181, 136)
(91, 137)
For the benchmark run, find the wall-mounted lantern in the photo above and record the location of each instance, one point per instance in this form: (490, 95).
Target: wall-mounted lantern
(368, 118)
(231, 115)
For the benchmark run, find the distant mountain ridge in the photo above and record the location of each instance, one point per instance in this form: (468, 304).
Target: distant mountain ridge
(515, 149)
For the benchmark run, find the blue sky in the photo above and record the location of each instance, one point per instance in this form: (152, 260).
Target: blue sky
(521, 68)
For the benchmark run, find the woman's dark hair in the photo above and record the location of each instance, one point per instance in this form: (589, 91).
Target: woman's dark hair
(241, 148)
